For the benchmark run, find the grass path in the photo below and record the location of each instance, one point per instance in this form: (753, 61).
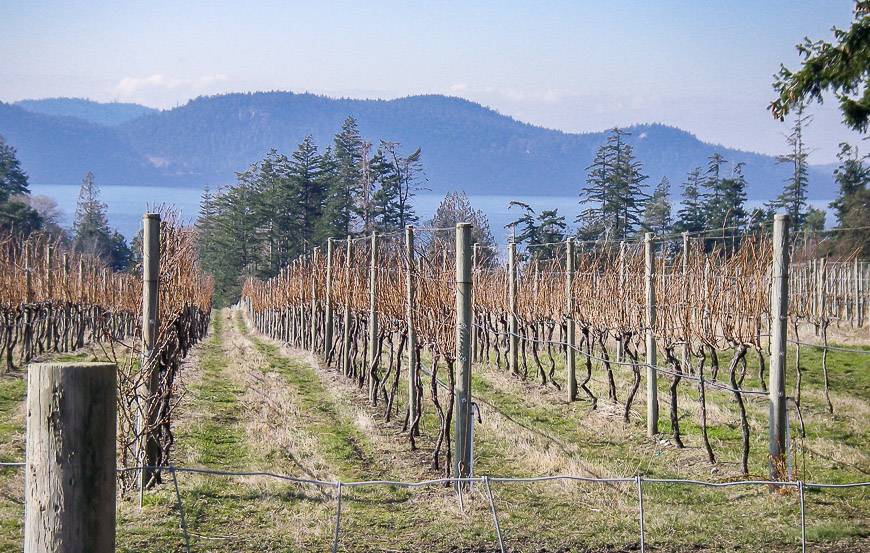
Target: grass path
(248, 402)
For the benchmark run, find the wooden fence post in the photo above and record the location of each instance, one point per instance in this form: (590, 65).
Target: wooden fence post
(373, 318)
(652, 401)
(513, 322)
(778, 345)
(570, 330)
(474, 330)
(313, 338)
(148, 443)
(69, 503)
(327, 314)
(345, 337)
(411, 305)
(462, 407)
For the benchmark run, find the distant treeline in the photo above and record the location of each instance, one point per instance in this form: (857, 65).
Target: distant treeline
(284, 205)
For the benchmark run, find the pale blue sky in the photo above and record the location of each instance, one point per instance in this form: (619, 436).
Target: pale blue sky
(576, 66)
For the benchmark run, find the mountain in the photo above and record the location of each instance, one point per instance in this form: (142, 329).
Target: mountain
(108, 114)
(60, 150)
(465, 145)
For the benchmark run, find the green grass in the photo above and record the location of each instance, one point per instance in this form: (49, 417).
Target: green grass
(525, 426)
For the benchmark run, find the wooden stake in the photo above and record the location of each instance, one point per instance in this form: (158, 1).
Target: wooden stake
(570, 358)
(652, 402)
(69, 503)
(462, 407)
(778, 346)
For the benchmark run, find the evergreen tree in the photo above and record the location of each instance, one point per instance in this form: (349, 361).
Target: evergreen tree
(793, 199)
(342, 207)
(16, 215)
(691, 216)
(613, 195)
(852, 205)
(13, 180)
(541, 232)
(657, 211)
(397, 177)
(453, 209)
(91, 227)
(307, 186)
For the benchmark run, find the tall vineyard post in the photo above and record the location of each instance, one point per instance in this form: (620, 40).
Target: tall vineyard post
(327, 315)
(373, 319)
(411, 302)
(652, 404)
(149, 446)
(778, 345)
(464, 446)
(513, 321)
(570, 330)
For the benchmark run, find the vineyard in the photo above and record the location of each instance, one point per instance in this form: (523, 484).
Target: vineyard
(413, 391)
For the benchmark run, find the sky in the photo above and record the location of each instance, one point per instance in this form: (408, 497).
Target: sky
(576, 66)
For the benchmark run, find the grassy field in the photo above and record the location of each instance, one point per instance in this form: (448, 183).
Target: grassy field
(251, 403)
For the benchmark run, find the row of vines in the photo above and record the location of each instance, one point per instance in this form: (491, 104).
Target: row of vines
(54, 300)
(712, 307)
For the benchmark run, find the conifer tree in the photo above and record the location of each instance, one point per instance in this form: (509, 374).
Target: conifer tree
(91, 227)
(793, 199)
(691, 216)
(613, 195)
(16, 215)
(541, 232)
(852, 205)
(305, 166)
(456, 208)
(657, 211)
(342, 206)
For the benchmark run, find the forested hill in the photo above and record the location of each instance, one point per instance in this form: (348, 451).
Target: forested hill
(109, 114)
(465, 145)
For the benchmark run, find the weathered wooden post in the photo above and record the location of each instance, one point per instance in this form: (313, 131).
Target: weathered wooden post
(652, 400)
(373, 318)
(411, 305)
(856, 303)
(570, 357)
(69, 503)
(313, 265)
(327, 314)
(345, 337)
(687, 347)
(148, 443)
(474, 330)
(620, 340)
(462, 407)
(513, 322)
(778, 345)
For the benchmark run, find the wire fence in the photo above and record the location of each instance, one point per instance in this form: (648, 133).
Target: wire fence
(461, 484)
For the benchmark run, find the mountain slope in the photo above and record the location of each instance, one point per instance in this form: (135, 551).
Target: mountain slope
(465, 145)
(60, 150)
(108, 114)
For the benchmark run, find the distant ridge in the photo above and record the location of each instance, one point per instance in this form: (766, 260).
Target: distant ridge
(465, 145)
(109, 114)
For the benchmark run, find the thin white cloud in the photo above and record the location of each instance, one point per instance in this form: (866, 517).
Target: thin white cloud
(135, 87)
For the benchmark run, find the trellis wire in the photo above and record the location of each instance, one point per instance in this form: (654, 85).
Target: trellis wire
(486, 481)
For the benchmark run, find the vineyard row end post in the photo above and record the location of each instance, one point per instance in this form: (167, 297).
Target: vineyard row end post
(513, 326)
(327, 306)
(345, 324)
(373, 318)
(149, 446)
(313, 337)
(570, 330)
(652, 401)
(778, 345)
(69, 501)
(411, 304)
(463, 433)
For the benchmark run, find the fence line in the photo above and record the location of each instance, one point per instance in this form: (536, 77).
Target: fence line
(486, 481)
